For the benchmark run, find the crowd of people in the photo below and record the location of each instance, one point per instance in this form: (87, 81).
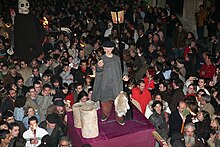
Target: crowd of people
(174, 76)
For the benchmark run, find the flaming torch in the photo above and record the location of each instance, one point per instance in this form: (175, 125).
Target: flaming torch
(45, 23)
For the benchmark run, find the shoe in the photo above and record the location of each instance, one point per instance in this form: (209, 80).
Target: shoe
(122, 122)
(104, 118)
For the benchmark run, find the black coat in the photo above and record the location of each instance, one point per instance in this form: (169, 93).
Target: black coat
(142, 42)
(80, 76)
(175, 122)
(56, 133)
(177, 96)
(28, 35)
(159, 122)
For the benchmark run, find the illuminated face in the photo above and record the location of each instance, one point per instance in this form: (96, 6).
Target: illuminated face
(181, 107)
(23, 6)
(4, 127)
(201, 83)
(47, 91)
(7, 139)
(15, 131)
(20, 83)
(84, 99)
(162, 87)
(158, 98)
(79, 88)
(64, 144)
(10, 119)
(108, 51)
(191, 90)
(33, 125)
(141, 86)
(51, 125)
(31, 112)
(214, 123)
(190, 131)
(200, 116)
(60, 109)
(158, 108)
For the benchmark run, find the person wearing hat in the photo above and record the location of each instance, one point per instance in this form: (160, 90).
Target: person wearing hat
(51, 125)
(108, 81)
(9, 118)
(58, 107)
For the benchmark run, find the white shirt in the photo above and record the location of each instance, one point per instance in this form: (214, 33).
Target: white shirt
(149, 109)
(206, 91)
(40, 133)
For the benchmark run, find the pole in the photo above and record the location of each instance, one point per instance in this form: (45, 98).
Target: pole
(129, 114)
(119, 46)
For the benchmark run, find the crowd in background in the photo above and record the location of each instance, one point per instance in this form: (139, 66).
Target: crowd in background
(174, 74)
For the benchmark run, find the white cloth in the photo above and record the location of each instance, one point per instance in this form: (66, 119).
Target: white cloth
(166, 74)
(121, 104)
(109, 30)
(40, 133)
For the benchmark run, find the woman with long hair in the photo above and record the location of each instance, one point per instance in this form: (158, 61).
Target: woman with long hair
(158, 119)
(203, 125)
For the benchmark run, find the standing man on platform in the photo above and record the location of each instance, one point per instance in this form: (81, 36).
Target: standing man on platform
(108, 82)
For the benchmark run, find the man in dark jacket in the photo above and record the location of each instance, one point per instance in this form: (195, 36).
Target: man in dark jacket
(82, 72)
(176, 118)
(178, 94)
(52, 127)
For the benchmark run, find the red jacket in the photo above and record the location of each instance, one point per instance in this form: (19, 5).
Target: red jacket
(208, 69)
(142, 98)
(149, 84)
(70, 97)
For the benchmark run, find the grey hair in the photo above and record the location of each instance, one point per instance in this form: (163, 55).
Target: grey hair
(66, 138)
(190, 125)
(206, 98)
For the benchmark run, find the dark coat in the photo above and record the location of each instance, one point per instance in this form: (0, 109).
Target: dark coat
(142, 42)
(22, 128)
(7, 104)
(203, 129)
(9, 79)
(56, 133)
(166, 96)
(108, 81)
(175, 122)
(159, 122)
(80, 76)
(28, 35)
(177, 96)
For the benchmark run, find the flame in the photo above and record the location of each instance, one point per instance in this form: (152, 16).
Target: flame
(45, 22)
(8, 25)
